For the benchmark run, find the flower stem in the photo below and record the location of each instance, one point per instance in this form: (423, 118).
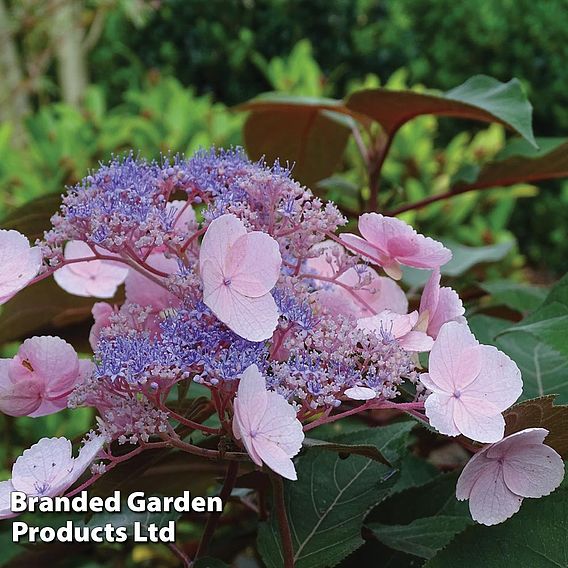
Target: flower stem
(284, 527)
(213, 520)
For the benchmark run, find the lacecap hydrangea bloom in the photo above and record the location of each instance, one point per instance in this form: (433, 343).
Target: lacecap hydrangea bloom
(238, 278)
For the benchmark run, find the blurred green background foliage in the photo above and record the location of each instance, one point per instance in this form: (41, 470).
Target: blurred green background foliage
(89, 78)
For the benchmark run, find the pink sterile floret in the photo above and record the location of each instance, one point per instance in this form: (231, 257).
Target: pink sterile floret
(498, 477)
(440, 305)
(47, 469)
(238, 270)
(267, 424)
(399, 326)
(19, 263)
(91, 279)
(390, 243)
(102, 313)
(345, 295)
(40, 378)
(471, 385)
(145, 292)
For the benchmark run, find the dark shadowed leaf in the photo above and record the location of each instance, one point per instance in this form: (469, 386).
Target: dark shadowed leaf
(308, 133)
(541, 413)
(422, 537)
(519, 162)
(535, 537)
(33, 218)
(479, 98)
(520, 297)
(384, 444)
(326, 508)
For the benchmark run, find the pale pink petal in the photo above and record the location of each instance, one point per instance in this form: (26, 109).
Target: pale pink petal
(450, 308)
(87, 454)
(58, 401)
(417, 341)
(362, 247)
(380, 294)
(280, 425)
(101, 313)
(49, 360)
(439, 408)
(478, 420)
(6, 489)
(490, 501)
(360, 393)
(93, 278)
(399, 242)
(41, 469)
(253, 264)
(396, 325)
(534, 470)
(252, 398)
(19, 263)
(244, 431)
(254, 319)
(393, 270)
(427, 382)
(249, 407)
(220, 236)
(21, 398)
(145, 292)
(499, 379)
(276, 459)
(379, 230)
(455, 359)
(183, 213)
(431, 293)
(514, 441)
(473, 469)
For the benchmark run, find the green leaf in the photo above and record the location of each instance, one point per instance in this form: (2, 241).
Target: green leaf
(422, 537)
(541, 413)
(414, 472)
(310, 133)
(464, 258)
(384, 444)
(535, 537)
(479, 98)
(326, 508)
(520, 297)
(433, 499)
(518, 162)
(546, 326)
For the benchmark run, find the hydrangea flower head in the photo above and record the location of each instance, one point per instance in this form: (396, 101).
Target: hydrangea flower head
(471, 385)
(238, 270)
(267, 424)
(19, 263)
(500, 476)
(390, 243)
